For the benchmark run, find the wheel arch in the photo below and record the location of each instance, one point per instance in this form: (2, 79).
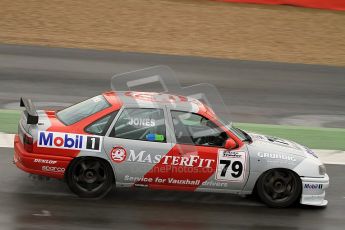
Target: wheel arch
(91, 157)
(294, 199)
(281, 168)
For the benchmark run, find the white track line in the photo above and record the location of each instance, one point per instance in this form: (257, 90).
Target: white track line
(326, 156)
(336, 157)
(6, 140)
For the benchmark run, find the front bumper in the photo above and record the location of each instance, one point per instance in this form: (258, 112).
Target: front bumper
(314, 190)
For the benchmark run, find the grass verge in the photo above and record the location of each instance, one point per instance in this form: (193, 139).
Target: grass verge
(9, 121)
(316, 138)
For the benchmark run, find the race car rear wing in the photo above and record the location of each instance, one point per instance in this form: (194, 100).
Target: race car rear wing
(30, 111)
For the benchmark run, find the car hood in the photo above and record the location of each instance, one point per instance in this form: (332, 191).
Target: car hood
(279, 145)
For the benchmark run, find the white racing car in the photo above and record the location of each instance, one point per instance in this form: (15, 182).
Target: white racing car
(163, 141)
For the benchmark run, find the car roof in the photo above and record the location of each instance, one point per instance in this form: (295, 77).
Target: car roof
(157, 100)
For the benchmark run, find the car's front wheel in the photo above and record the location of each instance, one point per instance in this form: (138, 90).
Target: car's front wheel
(90, 177)
(279, 188)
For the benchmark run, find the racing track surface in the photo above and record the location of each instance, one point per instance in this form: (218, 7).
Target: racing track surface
(29, 204)
(260, 92)
(257, 92)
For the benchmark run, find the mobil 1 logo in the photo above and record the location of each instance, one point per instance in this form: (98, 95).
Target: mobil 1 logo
(70, 141)
(93, 143)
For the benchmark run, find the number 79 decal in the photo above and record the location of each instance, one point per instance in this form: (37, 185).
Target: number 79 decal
(230, 165)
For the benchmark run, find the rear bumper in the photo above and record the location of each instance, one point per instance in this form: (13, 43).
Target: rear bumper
(314, 190)
(39, 164)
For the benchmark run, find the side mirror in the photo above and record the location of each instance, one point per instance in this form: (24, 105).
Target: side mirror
(230, 144)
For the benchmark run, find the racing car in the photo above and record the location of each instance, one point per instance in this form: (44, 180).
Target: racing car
(163, 141)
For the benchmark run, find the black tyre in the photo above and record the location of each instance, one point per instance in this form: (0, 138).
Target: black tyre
(279, 188)
(90, 177)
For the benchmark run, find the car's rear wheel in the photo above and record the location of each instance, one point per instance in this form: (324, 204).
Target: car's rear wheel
(90, 177)
(279, 188)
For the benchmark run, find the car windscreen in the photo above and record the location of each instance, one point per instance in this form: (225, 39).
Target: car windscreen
(82, 110)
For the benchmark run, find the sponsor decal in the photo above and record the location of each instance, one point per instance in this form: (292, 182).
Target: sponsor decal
(143, 157)
(277, 140)
(53, 169)
(274, 140)
(118, 154)
(276, 156)
(138, 179)
(145, 122)
(69, 141)
(154, 137)
(214, 184)
(189, 161)
(158, 180)
(173, 181)
(309, 151)
(45, 161)
(230, 154)
(313, 186)
(230, 165)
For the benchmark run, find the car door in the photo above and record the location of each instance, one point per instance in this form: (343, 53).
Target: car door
(135, 143)
(204, 162)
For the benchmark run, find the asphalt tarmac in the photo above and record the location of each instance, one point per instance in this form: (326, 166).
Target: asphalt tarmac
(27, 203)
(256, 92)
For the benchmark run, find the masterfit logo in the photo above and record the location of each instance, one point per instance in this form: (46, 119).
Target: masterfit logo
(69, 141)
(189, 161)
(313, 186)
(276, 156)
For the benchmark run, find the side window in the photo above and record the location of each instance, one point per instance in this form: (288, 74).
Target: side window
(141, 124)
(191, 128)
(100, 126)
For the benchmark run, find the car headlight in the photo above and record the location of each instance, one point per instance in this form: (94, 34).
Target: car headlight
(322, 170)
